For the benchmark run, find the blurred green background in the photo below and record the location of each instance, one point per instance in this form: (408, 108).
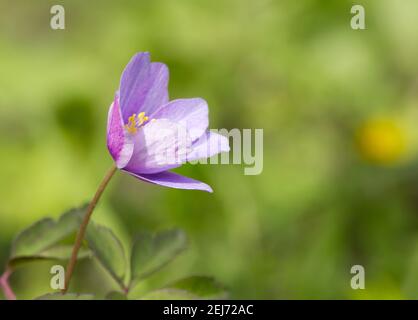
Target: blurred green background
(338, 108)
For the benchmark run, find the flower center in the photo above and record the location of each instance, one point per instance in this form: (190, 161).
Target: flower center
(135, 121)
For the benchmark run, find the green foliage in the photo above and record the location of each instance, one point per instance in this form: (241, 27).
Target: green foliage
(66, 296)
(57, 252)
(108, 250)
(43, 240)
(152, 252)
(149, 254)
(40, 240)
(195, 287)
(116, 295)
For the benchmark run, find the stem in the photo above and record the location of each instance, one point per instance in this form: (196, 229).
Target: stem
(4, 283)
(83, 226)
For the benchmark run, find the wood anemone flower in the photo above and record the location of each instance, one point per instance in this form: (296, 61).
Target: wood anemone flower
(148, 135)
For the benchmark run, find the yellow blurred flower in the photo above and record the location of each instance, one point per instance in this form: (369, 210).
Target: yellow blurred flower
(381, 141)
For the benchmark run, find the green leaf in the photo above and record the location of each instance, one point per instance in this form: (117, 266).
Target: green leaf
(169, 294)
(45, 233)
(115, 295)
(63, 252)
(108, 250)
(150, 253)
(58, 252)
(192, 288)
(66, 296)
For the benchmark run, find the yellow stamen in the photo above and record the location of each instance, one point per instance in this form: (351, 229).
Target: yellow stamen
(134, 122)
(142, 118)
(131, 126)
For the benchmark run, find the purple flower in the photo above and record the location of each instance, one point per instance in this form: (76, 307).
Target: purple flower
(147, 135)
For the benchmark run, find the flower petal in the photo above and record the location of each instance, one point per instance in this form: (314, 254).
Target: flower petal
(158, 92)
(143, 86)
(158, 146)
(208, 145)
(191, 113)
(119, 145)
(173, 180)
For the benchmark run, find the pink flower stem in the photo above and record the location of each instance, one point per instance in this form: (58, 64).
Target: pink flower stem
(4, 284)
(83, 226)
